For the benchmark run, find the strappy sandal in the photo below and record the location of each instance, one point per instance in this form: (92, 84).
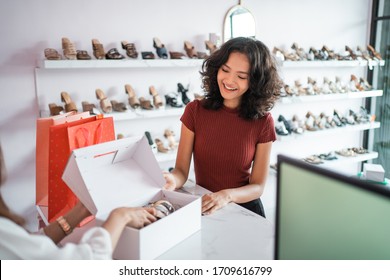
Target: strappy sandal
(118, 106)
(170, 135)
(83, 55)
(69, 104)
(98, 50)
(114, 54)
(171, 100)
(190, 50)
(131, 51)
(133, 100)
(52, 54)
(55, 109)
(160, 146)
(145, 104)
(157, 102)
(69, 49)
(105, 105)
(160, 48)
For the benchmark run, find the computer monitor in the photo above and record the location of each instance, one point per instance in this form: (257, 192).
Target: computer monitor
(324, 215)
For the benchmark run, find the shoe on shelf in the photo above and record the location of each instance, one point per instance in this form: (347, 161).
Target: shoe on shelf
(114, 54)
(105, 104)
(160, 146)
(89, 107)
(52, 54)
(172, 100)
(286, 124)
(130, 48)
(210, 46)
(190, 50)
(70, 106)
(133, 99)
(177, 55)
(157, 101)
(147, 55)
(170, 135)
(55, 109)
(183, 91)
(118, 106)
(69, 49)
(374, 54)
(145, 103)
(83, 55)
(160, 48)
(98, 49)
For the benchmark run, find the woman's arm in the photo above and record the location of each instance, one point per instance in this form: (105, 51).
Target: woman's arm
(214, 201)
(179, 175)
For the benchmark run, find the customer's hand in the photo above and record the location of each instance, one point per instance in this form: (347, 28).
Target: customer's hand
(170, 184)
(213, 201)
(140, 217)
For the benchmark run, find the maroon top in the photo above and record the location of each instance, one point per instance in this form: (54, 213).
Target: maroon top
(225, 144)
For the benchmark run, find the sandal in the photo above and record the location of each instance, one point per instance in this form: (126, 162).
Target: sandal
(118, 106)
(177, 55)
(52, 54)
(160, 146)
(145, 104)
(104, 103)
(171, 100)
(157, 102)
(170, 135)
(147, 55)
(114, 54)
(98, 50)
(83, 55)
(131, 51)
(210, 46)
(69, 104)
(89, 107)
(160, 48)
(190, 50)
(55, 109)
(133, 100)
(313, 160)
(183, 91)
(69, 49)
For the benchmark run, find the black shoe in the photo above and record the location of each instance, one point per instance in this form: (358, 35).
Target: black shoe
(183, 91)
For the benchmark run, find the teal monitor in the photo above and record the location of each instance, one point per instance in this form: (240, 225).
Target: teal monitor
(324, 215)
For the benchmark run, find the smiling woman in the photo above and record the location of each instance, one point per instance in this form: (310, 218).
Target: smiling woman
(233, 127)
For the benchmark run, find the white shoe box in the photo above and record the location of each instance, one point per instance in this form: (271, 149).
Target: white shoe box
(374, 172)
(125, 173)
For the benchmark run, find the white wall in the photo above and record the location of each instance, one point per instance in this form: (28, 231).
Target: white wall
(27, 27)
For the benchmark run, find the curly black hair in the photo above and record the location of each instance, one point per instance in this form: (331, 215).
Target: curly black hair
(264, 80)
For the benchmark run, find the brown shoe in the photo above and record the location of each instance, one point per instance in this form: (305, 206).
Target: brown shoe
(83, 55)
(69, 49)
(190, 50)
(52, 54)
(69, 104)
(133, 100)
(105, 105)
(98, 50)
(130, 48)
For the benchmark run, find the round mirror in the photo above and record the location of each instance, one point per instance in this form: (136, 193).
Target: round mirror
(239, 21)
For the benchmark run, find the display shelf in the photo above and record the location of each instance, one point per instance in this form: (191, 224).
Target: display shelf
(353, 159)
(336, 130)
(120, 63)
(331, 96)
(330, 63)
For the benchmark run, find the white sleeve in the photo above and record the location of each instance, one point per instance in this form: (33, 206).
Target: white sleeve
(17, 243)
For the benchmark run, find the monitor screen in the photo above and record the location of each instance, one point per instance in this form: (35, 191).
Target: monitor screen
(324, 215)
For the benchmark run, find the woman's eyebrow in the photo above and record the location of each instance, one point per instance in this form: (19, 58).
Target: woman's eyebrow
(241, 72)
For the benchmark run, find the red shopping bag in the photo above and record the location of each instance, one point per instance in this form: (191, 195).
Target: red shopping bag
(42, 152)
(63, 140)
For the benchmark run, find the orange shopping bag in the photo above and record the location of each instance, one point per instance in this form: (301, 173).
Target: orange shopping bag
(63, 140)
(42, 151)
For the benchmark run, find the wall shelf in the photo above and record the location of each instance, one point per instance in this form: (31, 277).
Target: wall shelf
(330, 63)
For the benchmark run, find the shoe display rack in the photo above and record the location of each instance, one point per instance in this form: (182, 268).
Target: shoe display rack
(316, 144)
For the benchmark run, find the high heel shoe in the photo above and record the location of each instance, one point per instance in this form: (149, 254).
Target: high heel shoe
(160, 146)
(160, 48)
(183, 91)
(157, 102)
(170, 135)
(145, 103)
(356, 83)
(130, 48)
(210, 46)
(190, 50)
(171, 100)
(69, 104)
(351, 53)
(286, 124)
(69, 49)
(299, 51)
(98, 49)
(105, 105)
(118, 106)
(133, 100)
(330, 54)
(89, 107)
(55, 109)
(374, 53)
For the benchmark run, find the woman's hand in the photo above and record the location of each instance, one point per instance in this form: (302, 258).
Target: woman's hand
(170, 184)
(140, 217)
(214, 201)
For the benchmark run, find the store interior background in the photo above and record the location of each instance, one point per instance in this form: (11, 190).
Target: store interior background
(28, 27)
